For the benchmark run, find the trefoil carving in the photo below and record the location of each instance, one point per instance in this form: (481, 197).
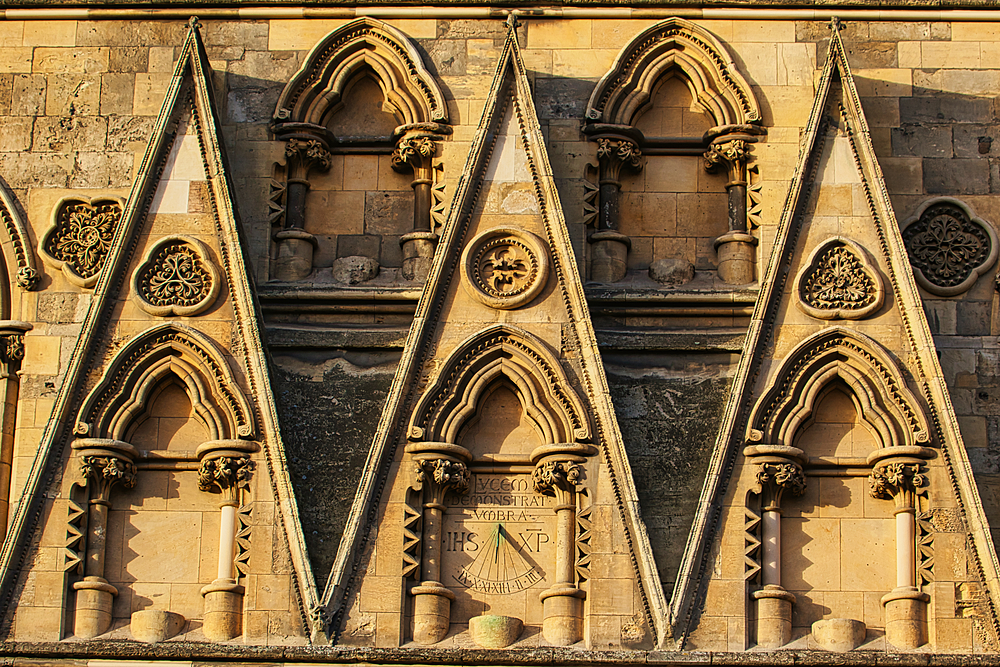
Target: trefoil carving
(176, 277)
(79, 236)
(839, 282)
(949, 246)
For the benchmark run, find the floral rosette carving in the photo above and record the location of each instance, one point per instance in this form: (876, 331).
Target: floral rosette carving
(949, 246)
(505, 267)
(839, 281)
(79, 237)
(176, 277)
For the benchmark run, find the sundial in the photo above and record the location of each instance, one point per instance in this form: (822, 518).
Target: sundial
(499, 568)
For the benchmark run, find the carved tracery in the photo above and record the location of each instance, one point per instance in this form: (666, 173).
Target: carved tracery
(949, 246)
(839, 281)
(79, 236)
(176, 277)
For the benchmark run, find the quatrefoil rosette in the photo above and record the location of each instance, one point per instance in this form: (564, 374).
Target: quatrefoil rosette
(949, 246)
(839, 282)
(176, 278)
(79, 236)
(505, 267)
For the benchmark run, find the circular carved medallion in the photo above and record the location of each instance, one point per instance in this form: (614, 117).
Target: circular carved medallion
(505, 267)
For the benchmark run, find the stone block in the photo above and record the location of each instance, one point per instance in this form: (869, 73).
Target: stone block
(11, 33)
(131, 33)
(965, 82)
(128, 133)
(903, 175)
(73, 95)
(41, 355)
(150, 89)
(251, 104)
(447, 56)
(559, 34)
(922, 141)
(944, 109)
(78, 60)
(128, 59)
(15, 133)
(28, 96)
(249, 34)
(590, 64)
(819, 31)
(956, 176)
(349, 245)
(101, 170)
(388, 212)
(277, 66)
(884, 82)
(360, 172)
(117, 91)
(16, 60)
(937, 55)
(49, 33)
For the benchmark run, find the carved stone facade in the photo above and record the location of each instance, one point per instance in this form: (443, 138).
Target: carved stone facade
(467, 335)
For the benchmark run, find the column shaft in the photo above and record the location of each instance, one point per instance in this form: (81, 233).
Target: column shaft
(771, 539)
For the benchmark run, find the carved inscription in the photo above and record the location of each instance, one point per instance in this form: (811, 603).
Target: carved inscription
(497, 538)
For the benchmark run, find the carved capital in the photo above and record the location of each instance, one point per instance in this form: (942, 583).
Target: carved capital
(304, 155)
(557, 478)
(730, 155)
(414, 153)
(898, 481)
(228, 474)
(438, 476)
(105, 472)
(777, 478)
(617, 154)
(13, 348)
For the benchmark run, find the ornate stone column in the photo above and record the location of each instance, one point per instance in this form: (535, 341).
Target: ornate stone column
(11, 355)
(225, 467)
(304, 153)
(562, 603)
(729, 150)
(779, 471)
(897, 474)
(618, 148)
(415, 153)
(439, 468)
(105, 463)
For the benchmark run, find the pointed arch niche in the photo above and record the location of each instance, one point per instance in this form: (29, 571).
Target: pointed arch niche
(501, 443)
(677, 118)
(167, 422)
(836, 415)
(17, 267)
(361, 106)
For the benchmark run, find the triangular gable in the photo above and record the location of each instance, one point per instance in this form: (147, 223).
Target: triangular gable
(499, 402)
(235, 408)
(810, 353)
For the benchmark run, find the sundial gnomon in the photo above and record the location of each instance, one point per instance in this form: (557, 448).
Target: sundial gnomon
(499, 567)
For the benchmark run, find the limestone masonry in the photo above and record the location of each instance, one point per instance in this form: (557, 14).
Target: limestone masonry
(514, 335)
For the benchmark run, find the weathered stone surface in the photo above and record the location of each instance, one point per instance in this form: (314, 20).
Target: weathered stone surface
(70, 134)
(922, 141)
(28, 97)
(354, 269)
(671, 271)
(128, 59)
(128, 132)
(388, 212)
(561, 98)
(956, 176)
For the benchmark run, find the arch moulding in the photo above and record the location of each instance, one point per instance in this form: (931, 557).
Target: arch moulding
(674, 45)
(501, 354)
(315, 91)
(885, 405)
(138, 371)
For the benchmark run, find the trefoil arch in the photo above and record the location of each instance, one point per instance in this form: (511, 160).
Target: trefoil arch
(509, 355)
(138, 372)
(886, 407)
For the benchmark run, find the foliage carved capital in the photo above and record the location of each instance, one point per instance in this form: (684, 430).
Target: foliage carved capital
(228, 474)
(106, 472)
(898, 481)
(413, 153)
(617, 154)
(777, 478)
(438, 476)
(557, 478)
(305, 155)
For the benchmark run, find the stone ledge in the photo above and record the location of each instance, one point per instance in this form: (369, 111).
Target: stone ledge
(29, 653)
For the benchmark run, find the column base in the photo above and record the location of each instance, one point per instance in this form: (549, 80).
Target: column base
(562, 624)
(418, 255)
(223, 610)
(431, 612)
(736, 252)
(774, 616)
(906, 617)
(295, 254)
(94, 598)
(609, 256)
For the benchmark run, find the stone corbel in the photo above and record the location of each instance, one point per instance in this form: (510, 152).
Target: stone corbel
(12, 347)
(414, 153)
(559, 473)
(307, 150)
(225, 467)
(898, 475)
(779, 473)
(105, 464)
(729, 150)
(439, 468)
(618, 150)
